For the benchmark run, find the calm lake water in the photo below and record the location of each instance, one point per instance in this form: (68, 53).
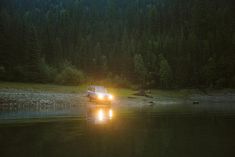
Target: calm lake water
(137, 133)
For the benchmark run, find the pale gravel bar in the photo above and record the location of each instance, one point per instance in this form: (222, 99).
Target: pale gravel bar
(18, 104)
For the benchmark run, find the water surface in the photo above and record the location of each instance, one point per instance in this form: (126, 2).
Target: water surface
(140, 132)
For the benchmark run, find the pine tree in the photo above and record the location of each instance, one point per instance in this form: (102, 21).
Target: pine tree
(3, 56)
(4, 47)
(165, 72)
(140, 70)
(209, 72)
(33, 56)
(104, 66)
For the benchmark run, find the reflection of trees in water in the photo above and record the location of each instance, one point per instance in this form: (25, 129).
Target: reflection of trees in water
(28, 103)
(25, 109)
(14, 106)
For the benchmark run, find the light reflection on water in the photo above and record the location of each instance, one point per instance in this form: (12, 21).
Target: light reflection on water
(140, 133)
(13, 110)
(99, 114)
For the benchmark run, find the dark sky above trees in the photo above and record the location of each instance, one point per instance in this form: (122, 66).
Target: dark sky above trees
(178, 43)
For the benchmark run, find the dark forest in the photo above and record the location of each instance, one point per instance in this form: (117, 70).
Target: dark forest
(151, 43)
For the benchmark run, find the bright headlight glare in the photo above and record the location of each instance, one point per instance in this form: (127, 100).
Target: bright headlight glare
(110, 97)
(110, 113)
(100, 96)
(100, 115)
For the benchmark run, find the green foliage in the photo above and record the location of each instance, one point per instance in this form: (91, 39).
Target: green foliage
(104, 67)
(18, 72)
(47, 72)
(140, 70)
(105, 37)
(70, 76)
(209, 72)
(2, 73)
(121, 81)
(33, 56)
(117, 81)
(232, 82)
(165, 73)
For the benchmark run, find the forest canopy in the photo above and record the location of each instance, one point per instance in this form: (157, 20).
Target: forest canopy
(152, 43)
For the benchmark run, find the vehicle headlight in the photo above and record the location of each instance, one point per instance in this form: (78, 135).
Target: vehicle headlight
(100, 115)
(100, 96)
(110, 113)
(110, 97)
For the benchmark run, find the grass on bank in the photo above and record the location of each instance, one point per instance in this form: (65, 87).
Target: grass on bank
(43, 87)
(60, 88)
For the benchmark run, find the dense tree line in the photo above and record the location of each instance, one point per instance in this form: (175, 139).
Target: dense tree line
(154, 43)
